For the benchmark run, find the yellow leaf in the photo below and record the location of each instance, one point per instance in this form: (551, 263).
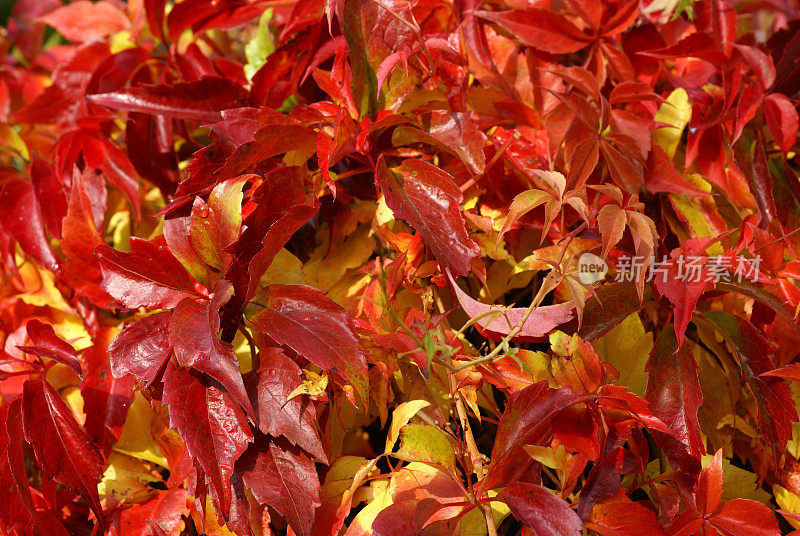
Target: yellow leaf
(313, 385)
(787, 501)
(425, 443)
(126, 479)
(119, 226)
(676, 112)
(340, 476)
(627, 348)
(379, 498)
(473, 523)
(739, 483)
(137, 439)
(38, 287)
(213, 525)
(400, 417)
(286, 269)
(338, 254)
(700, 214)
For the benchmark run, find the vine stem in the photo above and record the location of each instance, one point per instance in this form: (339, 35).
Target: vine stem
(476, 458)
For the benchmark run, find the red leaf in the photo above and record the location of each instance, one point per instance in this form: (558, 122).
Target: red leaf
(454, 132)
(283, 478)
(83, 20)
(525, 421)
(283, 206)
(147, 276)
(200, 101)
(20, 218)
(211, 425)
(50, 195)
(293, 419)
(149, 143)
(105, 398)
(540, 28)
(623, 518)
(80, 237)
(142, 348)
(661, 176)
(789, 372)
(673, 390)
(304, 319)
(154, 10)
(543, 511)
(193, 335)
(717, 18)
(62, 449)
(428, 199)
(47, 344)
(744, 517)
(541, 321)
(18, 512)
(709, 486)
(782, 120)
(163, 511)
(102, 154)
(696, 45)
(684, 289)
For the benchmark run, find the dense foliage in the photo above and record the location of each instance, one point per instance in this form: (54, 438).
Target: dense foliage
(383, 267)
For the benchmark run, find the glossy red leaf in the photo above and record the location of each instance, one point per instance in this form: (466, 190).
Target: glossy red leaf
(673, 390)
(19, 512)
(717, 18)
(684, 289)
(117, 168)
(20, 218)
(211, 425)
(147, 276)
(277, 416)
(164, 511)
(283, 478)
(283, 207)
(526, 421)
(661, 176)
(782, 120)
(303, 319)
(62, 449)
(45, 343)
(544, 512)
(540, 28)
(154, 10)
(709, 486)
(193, 334)
(105, 397)
(789, 372)
(428, 199)
(201, 101)
(50, 195)
(142, 348)
(453, 132)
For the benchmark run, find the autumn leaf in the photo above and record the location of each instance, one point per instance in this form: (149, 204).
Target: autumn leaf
(428, 199)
